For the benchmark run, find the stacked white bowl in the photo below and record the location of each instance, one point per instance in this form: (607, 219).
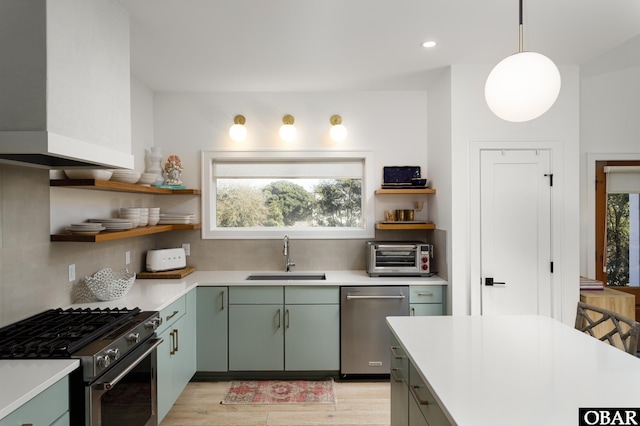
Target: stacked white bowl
(132, 214)
(144, 216)
(126, 176)
(154, 216)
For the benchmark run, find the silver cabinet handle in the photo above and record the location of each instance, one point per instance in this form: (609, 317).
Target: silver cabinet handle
(177, 344)
(424, 294)
(279, 321)
(394, 353)
(172, 315)
(413, 312)
(173, 343)
(414, 391)
(393, 375)
(222, 301)
(286, 315)
(400, 296)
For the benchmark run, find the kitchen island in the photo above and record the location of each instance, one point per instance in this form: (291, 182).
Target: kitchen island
(515, 370)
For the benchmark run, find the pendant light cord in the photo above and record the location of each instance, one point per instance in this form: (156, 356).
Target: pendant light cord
(521, 44)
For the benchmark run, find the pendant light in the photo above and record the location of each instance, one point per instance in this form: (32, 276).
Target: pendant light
(522, 86)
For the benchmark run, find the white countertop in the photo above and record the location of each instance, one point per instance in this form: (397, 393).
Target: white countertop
(156, 294)
(516, 370)
(23, 379)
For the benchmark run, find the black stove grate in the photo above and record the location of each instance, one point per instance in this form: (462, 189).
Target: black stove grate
(58, 333)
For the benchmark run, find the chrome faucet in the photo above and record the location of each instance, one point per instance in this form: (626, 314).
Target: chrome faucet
(287, 257)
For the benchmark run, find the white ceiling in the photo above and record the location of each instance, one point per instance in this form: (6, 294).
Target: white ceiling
(334, 45)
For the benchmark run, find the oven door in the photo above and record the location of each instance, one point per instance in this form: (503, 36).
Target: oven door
(396, 258)
(127, 393)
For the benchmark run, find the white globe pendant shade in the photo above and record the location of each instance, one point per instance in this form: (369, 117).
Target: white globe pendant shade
(338, 132)
(238, 132)
(522, 86)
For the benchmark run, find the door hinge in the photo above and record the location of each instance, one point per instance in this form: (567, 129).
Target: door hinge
(550, 178)
(551, 267)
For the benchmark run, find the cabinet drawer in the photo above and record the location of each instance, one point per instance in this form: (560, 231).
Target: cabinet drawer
(172, 313)
(426, 309)
(46, 408)
(311, 295)
(425, 399)
(399, 363)
(253, 295)
(425, 294)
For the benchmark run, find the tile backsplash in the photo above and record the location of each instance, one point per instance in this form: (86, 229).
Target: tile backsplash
(34, 271)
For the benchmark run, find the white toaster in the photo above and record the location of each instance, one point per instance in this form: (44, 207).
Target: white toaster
(166, 259)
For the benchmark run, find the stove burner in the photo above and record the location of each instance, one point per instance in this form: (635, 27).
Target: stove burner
(58, 333)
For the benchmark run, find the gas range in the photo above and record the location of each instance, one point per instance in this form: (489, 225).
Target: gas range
(97, 337)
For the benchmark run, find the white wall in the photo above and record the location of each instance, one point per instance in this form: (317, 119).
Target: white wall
(473, 124)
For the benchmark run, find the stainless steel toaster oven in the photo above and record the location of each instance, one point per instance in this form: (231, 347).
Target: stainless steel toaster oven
(399, 258)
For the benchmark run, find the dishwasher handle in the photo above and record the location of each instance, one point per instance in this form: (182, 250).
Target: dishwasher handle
(400, 296)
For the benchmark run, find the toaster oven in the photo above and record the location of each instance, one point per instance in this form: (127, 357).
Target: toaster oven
(399, 258)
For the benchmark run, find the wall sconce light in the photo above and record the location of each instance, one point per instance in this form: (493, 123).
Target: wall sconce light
(238, 132)
(522, 86)
(337, 132)
(287, 130)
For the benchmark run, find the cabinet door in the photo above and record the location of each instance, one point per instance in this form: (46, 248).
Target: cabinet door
(184, 359)
(256, 338)
(426, 309)
(312, 337)
(415, 415)
(51, 406)
(165, 374)
(212, 347)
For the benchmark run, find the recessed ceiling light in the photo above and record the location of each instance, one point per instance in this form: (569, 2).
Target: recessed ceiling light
(429, 44)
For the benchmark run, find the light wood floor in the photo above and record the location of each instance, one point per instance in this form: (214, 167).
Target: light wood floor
(358, 403)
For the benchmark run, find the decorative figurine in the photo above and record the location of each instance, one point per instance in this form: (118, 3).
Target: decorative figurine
(173, 171)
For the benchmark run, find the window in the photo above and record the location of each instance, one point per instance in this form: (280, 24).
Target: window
(301, 194)
(618, 223)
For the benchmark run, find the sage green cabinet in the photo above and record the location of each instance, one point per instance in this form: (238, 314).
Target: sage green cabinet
(212, 347)
(278, 328)
(426, 300)
(177, 352)
(50, 407)
(399, 384)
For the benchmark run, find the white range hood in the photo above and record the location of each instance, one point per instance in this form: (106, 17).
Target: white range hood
(66, 84)
(52, 151)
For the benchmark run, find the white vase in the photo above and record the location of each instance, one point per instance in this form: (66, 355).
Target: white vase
(153, 163)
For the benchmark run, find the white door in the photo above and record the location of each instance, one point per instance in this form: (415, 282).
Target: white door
(515, 232)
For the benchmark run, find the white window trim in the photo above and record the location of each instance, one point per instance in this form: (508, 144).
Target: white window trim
(210, 231)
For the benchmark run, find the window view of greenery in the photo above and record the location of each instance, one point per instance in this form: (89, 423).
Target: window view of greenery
(245, 203)
(622, 240)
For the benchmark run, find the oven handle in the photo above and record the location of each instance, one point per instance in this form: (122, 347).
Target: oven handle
(396, 246)
(349, 297)
(110, 384)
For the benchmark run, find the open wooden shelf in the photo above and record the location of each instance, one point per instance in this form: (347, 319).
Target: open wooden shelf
(404, 226)
(109, 185)
(118, 235)
(422, 191)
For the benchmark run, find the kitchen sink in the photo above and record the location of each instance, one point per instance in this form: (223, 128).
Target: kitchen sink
(287, 276)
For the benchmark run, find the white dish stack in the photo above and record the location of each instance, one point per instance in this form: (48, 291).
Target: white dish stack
(125, 176)
(154, 216)
(85, 228)
(132, 214)
(113, 224)
(176, 218)
(144, 216)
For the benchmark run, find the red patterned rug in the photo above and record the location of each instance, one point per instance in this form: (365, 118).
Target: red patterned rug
(280, 392)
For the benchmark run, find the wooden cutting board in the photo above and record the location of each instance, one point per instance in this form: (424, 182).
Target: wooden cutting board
(173, 274)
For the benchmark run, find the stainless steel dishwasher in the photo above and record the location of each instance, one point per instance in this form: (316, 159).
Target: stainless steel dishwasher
(364, 334)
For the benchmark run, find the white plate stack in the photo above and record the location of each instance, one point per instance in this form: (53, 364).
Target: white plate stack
(125, 176)
(154, 216)
(132, 214)
(176, 218)
(85, 228)
(114, 224)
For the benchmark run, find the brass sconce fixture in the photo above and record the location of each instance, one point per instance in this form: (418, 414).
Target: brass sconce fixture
(287, 130)
(337, 132)
(238, 132)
